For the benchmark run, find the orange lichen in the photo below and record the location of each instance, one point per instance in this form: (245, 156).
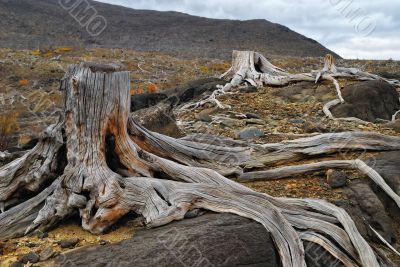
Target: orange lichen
(23, 82)
(152, 88)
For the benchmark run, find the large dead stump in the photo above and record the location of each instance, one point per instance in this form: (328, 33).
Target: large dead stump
(89, 163)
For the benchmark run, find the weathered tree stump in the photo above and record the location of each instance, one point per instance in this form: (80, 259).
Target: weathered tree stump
(249, 67)
(100, 162)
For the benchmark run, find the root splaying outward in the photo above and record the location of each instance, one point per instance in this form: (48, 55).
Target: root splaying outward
(70, 170)
(254, 69)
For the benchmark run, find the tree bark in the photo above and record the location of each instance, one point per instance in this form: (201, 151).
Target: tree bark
(100, 162)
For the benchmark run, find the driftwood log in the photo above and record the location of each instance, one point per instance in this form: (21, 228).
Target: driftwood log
(249, 67)
(98, 161)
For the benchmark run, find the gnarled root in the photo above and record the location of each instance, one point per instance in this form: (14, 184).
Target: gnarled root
(110, 173)
(36, 168)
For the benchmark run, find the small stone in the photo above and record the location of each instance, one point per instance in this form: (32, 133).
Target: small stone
(296, 121)
(30, 245)
(249, 89)
(47, 254)
(311, 127)
(249, 133)
(252, 116)
(205, 115)
(42, 235)
(231, 123)
(68, 243)
(103, 242)
(336, 179)
(254, 121)
(31, 257)
(17, 264)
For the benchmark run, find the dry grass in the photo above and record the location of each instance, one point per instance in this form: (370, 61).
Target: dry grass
(8, 128)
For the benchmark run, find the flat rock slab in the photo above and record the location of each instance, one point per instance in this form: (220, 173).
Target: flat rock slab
(387, 165)
(208, 240)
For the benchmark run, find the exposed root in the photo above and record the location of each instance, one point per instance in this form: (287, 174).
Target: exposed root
(163, 178)
(253, 68)
(36, 168)
(291, 171)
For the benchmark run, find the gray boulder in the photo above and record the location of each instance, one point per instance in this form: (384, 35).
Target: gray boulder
(208, 240)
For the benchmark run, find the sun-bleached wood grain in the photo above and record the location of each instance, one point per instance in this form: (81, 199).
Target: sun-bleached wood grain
(97, 160)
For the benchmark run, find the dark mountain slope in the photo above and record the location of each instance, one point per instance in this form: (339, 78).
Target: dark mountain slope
(43, 23)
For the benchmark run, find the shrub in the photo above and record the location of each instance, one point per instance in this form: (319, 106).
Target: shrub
(204, 70)
(8, 127)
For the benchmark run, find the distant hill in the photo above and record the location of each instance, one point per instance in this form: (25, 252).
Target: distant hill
(43, 23)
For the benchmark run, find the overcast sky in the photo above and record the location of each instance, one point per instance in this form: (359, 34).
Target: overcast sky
(361, 29)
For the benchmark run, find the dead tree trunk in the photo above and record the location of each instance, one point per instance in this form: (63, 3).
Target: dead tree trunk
(100, 162)
(253, 68)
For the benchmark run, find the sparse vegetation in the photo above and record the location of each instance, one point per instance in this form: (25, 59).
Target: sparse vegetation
(8, 128)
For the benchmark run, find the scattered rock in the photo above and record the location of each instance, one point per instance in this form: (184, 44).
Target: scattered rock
(304, 92)
(297, 121)
(253, 116)
(31, 257)
(205, 115)
(312, 127)
(231, 123)
(141, 101)
(389, 75)
(248, 89)
(254, 121)
(158, 119)
(30, 245)
(42, 235)
(250, 133)
(336, 179)
(17, 264)
(369, 101)
(192, 90)
(103, 242)
(68, 243)
(47, 254)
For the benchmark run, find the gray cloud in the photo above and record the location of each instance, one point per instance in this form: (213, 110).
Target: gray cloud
(352, 28)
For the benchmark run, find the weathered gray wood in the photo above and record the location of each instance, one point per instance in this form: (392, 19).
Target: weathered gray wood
(255, 69)
(194, 173)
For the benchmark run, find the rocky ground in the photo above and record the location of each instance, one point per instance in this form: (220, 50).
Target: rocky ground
(263, 115)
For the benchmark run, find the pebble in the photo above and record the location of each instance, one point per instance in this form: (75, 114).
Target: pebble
(249, 89)
(31, 257)
(252, 116)
(254, 121)
(249, 133)
(42, 235)
(30, 245)
(311, 127)
(47, 254)
(68, 243)
(205, 115)
(103, 242)
(336, 179)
